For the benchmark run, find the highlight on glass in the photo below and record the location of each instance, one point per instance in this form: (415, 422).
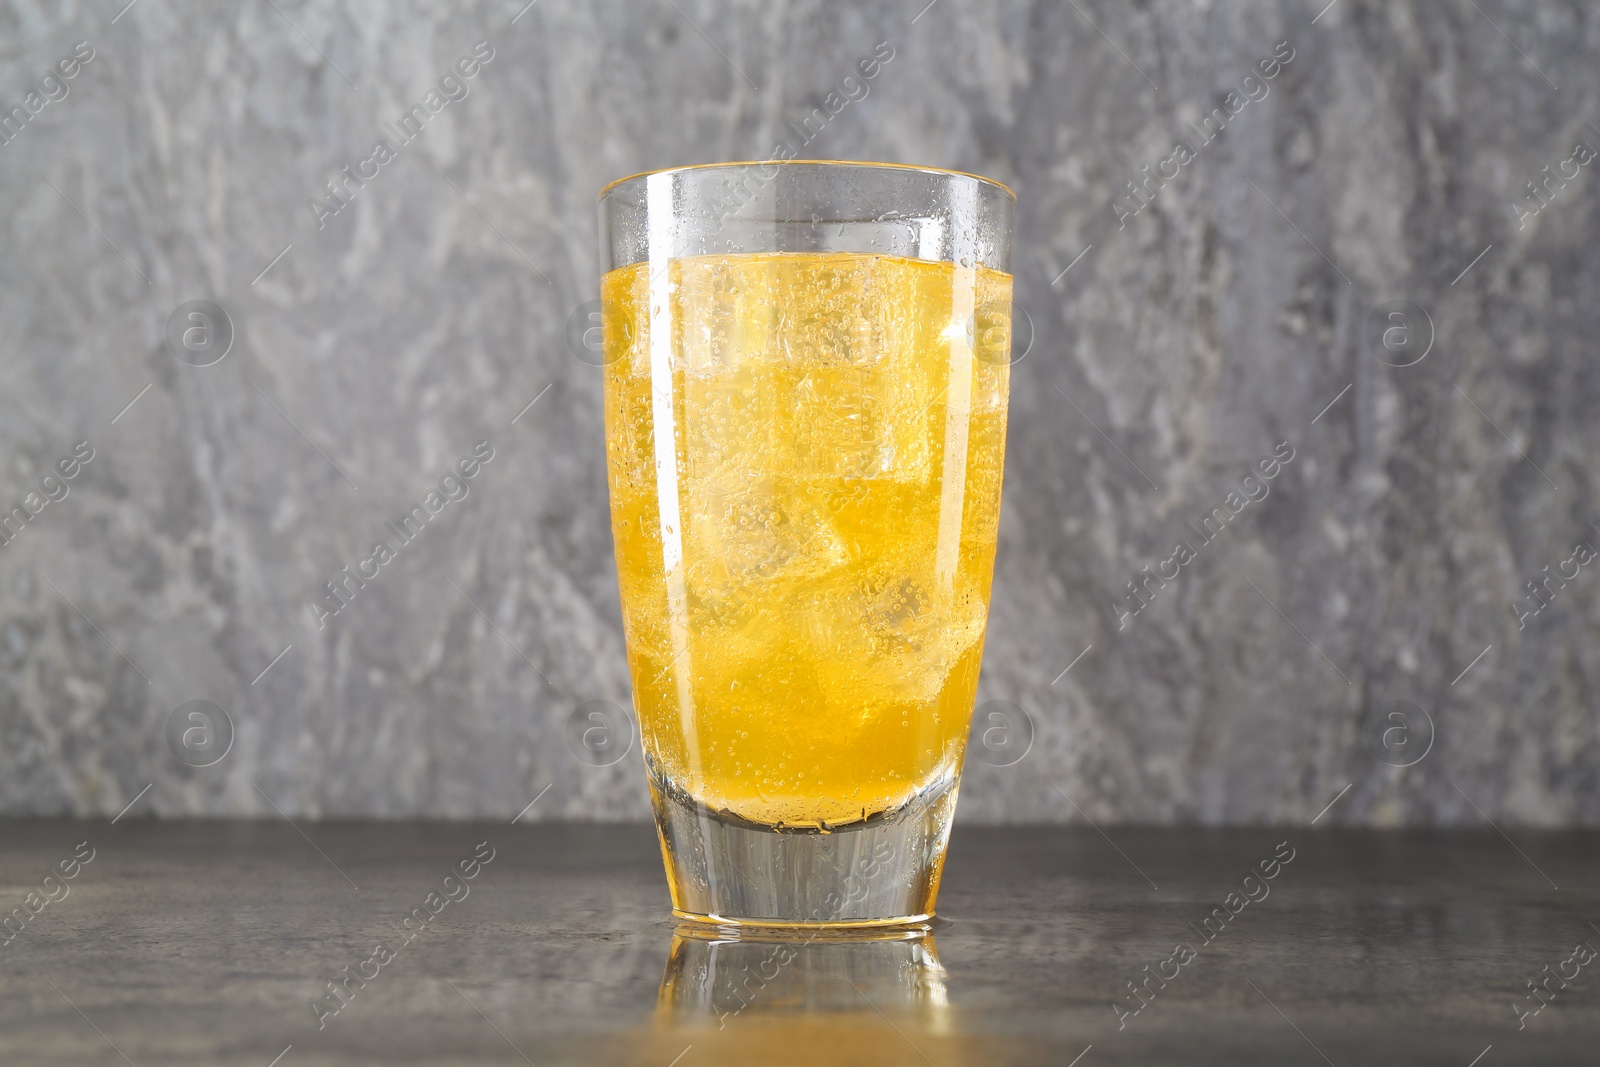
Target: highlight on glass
(806, 371)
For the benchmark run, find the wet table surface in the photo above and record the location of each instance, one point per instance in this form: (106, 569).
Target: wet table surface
(216, 943)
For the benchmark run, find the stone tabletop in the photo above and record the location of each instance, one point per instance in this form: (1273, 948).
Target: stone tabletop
(181, 943)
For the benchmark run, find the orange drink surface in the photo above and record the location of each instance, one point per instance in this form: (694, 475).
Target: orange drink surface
(804, 455)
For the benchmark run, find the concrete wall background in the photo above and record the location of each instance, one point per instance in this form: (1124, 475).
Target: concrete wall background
(1375, 580)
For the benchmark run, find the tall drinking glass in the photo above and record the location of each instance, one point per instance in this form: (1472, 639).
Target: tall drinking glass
(806, 368)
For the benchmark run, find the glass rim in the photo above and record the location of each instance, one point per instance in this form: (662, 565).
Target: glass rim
(918, 168)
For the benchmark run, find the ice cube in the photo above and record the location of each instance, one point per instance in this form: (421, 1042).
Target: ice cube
(915, 632)
(746, 536)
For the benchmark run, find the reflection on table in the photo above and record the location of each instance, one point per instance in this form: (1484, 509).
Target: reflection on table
(807, 997)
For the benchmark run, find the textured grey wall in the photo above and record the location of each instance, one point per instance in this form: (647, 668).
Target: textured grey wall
(1186, 340)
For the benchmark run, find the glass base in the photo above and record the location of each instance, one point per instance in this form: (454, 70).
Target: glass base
(881, 871)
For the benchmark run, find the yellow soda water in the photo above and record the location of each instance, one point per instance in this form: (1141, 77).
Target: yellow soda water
(804, 455)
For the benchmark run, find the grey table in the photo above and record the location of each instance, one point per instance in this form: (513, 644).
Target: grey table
(214, 943)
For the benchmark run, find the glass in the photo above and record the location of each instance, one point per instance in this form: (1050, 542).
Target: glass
(806, 371)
